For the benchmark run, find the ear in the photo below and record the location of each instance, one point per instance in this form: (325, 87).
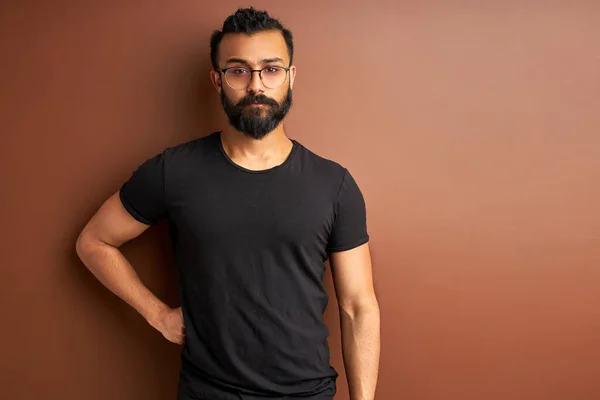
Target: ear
(292, 76)
(215, 78)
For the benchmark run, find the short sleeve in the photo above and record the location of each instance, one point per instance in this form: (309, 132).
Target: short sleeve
(350, 223)
(143, 194)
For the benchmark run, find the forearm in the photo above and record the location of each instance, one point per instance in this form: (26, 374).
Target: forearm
(114, 271)
(361, 348)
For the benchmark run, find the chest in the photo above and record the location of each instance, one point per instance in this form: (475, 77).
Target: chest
(256, 212)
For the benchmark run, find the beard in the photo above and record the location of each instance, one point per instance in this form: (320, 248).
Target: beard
(256, 122)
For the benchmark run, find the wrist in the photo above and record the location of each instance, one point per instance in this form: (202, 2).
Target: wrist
(154, 313)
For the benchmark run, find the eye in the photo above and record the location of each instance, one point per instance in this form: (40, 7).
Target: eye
(271, 69)
(238, 71)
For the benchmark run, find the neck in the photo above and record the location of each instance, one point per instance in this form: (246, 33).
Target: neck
(270, 151)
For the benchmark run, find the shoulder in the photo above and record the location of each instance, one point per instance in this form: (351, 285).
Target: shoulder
(318, 164)
(192, 149)
(330, 174)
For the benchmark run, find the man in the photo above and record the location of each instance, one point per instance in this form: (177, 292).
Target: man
(253, 216)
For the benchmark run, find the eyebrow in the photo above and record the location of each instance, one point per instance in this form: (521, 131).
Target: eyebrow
(263, 61)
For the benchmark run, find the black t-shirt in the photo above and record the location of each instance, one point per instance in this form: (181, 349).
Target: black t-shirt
(250, 248)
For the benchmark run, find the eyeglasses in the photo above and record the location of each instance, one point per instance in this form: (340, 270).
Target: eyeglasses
(239, 77)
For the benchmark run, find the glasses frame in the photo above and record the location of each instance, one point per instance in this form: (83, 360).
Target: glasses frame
(224, 70)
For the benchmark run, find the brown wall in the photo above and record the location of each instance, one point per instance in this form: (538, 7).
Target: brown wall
(473, 131)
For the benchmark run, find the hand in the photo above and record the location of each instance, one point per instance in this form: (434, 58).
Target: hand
(169, 322)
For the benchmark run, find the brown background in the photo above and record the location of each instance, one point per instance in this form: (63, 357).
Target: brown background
(472, 129)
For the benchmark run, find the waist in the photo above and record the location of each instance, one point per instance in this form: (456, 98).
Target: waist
(230, 385)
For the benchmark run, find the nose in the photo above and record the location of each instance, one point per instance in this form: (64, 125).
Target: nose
(255, 85)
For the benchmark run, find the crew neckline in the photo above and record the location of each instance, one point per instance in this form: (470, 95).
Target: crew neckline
(289, 158)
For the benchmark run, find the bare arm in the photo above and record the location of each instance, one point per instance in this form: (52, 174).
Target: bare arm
(359, 318)
(98, 248)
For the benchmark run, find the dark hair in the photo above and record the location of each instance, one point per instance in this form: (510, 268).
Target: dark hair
(249, 21)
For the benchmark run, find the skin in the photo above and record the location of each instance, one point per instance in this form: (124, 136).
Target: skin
(111, 226)
(274, 148)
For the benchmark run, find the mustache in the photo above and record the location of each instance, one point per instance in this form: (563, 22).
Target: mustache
(258, 98)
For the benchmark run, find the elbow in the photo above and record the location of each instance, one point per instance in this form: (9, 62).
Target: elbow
(80, 245)
(355, 309)
(83, 244)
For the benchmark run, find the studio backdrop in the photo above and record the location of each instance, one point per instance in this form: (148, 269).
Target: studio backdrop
(472, 128)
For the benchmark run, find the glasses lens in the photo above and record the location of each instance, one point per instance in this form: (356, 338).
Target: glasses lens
(273, 77)
(238, 78)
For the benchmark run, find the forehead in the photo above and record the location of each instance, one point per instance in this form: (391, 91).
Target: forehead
(254, 48)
